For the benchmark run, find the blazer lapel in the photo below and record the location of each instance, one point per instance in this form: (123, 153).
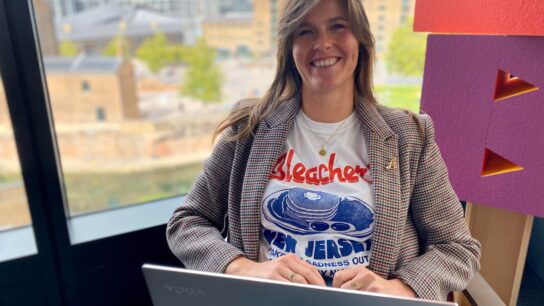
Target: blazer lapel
(382, 146)
(267, 146)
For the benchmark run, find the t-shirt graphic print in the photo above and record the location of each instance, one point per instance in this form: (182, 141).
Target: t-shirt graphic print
(324, 214)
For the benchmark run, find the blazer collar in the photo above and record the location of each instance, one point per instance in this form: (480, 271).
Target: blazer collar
(285, 113)
(369, 116)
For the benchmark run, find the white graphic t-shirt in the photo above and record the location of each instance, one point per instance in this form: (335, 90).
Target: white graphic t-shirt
(320, 207)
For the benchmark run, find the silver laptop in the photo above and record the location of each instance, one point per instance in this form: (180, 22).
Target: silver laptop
(179, 287)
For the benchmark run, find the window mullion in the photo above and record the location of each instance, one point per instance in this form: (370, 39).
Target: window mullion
(24, 81)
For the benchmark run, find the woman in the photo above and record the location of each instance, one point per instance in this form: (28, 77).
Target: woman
(316, 183)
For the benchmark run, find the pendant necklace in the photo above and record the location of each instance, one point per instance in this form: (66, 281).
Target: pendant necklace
(323, 151)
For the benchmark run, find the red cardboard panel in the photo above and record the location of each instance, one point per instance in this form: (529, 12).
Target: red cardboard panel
(497, 17)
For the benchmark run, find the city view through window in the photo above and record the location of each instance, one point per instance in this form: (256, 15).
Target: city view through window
(137, 88)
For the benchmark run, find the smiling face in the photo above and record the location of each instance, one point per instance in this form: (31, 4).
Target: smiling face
(325, 49)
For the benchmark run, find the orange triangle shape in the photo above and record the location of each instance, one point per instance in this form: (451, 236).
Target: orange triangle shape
(496, 164)
(508, 86)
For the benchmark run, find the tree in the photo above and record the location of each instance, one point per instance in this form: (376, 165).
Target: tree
(155, 52)
(406, 51)
(118, 46)
(203, 79)
(68, 49)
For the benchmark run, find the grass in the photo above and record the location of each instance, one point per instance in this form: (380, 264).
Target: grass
(94, 192)
(402, 96)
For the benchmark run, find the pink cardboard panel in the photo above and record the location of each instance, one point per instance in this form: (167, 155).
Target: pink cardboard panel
(458, 93)
(498, 17)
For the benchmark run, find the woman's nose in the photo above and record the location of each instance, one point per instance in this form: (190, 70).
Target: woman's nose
(323, 41)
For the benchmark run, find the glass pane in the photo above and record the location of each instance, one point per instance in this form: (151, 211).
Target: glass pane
(400, 52)
(13, 202)
(137, 87)
(136, 91)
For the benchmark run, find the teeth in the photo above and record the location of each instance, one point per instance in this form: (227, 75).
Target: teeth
(325, 63)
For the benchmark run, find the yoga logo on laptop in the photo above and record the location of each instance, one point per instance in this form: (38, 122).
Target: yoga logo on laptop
(306, 212)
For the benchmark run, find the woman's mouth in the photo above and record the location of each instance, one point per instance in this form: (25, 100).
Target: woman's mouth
(325, 62)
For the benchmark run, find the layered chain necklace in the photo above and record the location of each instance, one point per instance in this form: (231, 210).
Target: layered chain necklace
(323, 151)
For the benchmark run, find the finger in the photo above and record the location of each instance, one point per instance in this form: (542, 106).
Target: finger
(299, 279)
(352, 284)
(307, 265)
(341, 277)
(362, 281)
(315, 274)
(291, 276)
(308, 273)
(313, 269)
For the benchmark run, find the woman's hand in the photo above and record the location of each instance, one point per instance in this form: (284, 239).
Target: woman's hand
(360, 278)
(288, 268)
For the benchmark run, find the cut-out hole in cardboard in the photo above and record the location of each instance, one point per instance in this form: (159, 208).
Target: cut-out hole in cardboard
(508, 85)
(495, 164)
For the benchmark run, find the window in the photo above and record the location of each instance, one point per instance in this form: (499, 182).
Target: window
(16, 236)
(100, 114)
(157, 111)
(13, 202)
(85, 86)
(394, 85)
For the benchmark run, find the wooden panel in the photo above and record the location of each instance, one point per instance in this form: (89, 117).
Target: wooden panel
(505, 238)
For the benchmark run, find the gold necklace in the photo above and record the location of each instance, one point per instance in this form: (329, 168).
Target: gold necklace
(322, 151)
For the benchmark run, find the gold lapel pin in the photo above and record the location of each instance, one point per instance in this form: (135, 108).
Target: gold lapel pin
(392, 164)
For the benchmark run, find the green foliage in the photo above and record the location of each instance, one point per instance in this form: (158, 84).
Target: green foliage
(151, 52)
(401, 96)
(118, 46)
(68, 49)
(406, 51)
(157, 52)
(203, 80)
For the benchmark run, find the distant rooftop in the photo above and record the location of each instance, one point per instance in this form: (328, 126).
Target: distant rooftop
(106, 21)
(241, 16)
(82, 63)
(239, 6)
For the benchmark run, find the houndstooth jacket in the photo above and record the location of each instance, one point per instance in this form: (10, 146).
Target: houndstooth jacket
(419, 237)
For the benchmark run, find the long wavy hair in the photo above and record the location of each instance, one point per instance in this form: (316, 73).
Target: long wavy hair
(287, 82)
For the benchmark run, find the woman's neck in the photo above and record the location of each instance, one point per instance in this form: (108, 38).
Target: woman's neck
(328, 107)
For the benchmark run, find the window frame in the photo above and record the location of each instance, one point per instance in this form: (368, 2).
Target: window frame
(67, 262)
(28, 104)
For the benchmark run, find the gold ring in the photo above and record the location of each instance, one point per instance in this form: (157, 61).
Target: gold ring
(291, 276)
(355, 286)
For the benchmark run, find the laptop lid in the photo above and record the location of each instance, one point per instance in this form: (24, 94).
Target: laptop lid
(180, 287)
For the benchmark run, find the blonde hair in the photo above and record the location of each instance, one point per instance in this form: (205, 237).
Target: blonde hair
(287, 82)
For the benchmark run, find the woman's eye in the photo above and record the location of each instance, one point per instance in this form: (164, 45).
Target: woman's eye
(338, 26)
(304, 32)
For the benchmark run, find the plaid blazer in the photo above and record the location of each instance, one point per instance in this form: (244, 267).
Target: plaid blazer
(420, 235)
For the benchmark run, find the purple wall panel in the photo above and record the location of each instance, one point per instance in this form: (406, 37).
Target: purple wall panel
(458, 88)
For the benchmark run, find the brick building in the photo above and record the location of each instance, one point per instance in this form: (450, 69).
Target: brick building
(98, 123)
(88, 89)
